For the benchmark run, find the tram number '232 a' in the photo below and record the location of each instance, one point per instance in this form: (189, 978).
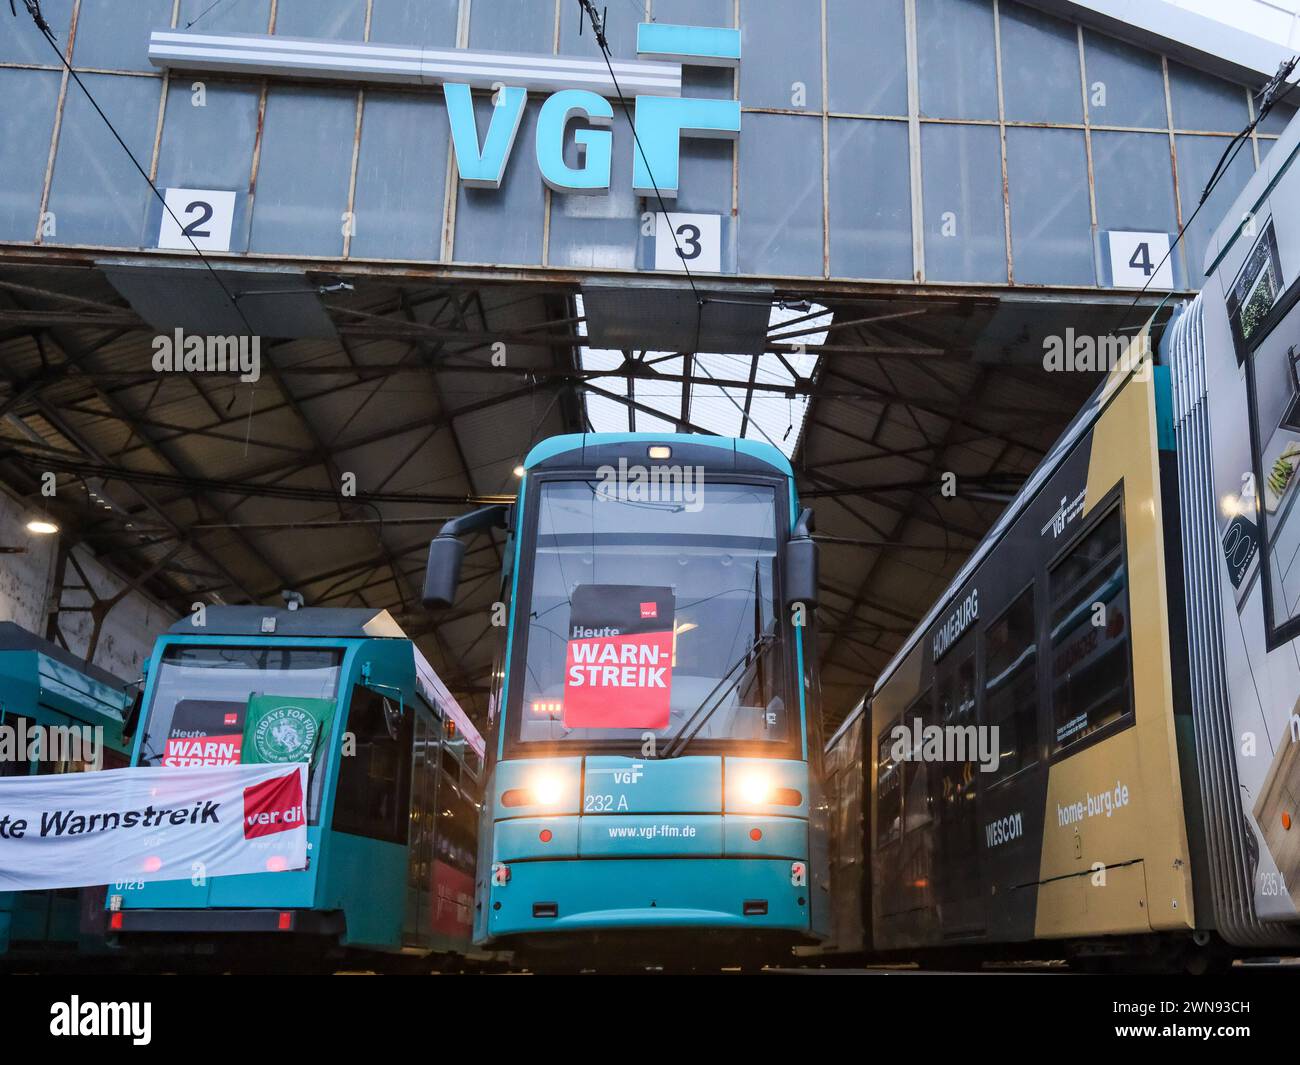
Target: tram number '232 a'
(604, 804)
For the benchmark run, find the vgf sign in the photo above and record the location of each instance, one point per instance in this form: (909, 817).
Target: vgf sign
(578, 89)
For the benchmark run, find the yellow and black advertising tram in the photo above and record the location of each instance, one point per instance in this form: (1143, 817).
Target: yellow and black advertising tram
(1092, 737)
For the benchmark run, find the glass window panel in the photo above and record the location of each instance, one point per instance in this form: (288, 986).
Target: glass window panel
(1090, 663)
(22, 42)
(957, 59)
(1051, 220)
(788, 46)
(965, 232)
(781, 207)
(299, 208)
(374, 787)
(1011, 685)
(400, 177)
(691, 12)
(1040, 67)
(954, 786)
(870, 199)
(24, 148)
(1277, 119)
(889, 789)
(513, 26)
(1126, 85)
(709, 82)
(918, 789)
(1202, 102)
(705, 173)
(866, 57)
(112, 35)
(97, 195)
(211, 147)
(620, 31)
(414, 22)
(1135, 185)
(504, 225)
(600, 230)
(1264, 334)
(240, 16)
(1197, 158)
(335, 19)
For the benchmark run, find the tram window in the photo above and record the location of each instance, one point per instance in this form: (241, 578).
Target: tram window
(917, 804)
(1011, 685)
(889, 789)
(450, 765)
(457, 829)
(954, 783)
(374, 790)
(1091, 665)
(1263, 526)
(473, 763)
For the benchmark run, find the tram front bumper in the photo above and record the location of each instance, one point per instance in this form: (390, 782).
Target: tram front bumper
(726, 894)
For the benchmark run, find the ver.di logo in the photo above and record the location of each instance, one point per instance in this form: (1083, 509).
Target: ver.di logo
(286, 734)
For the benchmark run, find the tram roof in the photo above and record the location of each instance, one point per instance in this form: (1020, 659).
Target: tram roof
(338, 623)
(13, 637)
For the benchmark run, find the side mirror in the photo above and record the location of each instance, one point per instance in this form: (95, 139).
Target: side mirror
(442, 577)
(799, 564)
(447, 552)
(132, 718)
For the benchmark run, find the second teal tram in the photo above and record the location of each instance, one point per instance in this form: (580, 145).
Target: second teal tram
(393, 791)
(653, 789)
(60, 715)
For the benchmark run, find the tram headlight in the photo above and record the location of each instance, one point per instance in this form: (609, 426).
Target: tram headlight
(755, 788)
(547, 789)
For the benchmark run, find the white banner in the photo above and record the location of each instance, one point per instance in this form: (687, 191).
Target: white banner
(83, 829)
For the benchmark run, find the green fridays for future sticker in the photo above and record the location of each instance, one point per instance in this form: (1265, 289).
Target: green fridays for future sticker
(282, 728)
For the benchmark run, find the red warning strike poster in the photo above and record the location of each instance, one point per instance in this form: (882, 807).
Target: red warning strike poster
(618, 669)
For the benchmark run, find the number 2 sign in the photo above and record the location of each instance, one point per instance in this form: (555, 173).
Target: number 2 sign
(1140, 260)
(204, 216)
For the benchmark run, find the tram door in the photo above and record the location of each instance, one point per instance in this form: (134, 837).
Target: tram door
(424, 826)
(959, 894)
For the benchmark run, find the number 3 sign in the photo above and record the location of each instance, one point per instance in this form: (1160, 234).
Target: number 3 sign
(204, 216)
(697, 244)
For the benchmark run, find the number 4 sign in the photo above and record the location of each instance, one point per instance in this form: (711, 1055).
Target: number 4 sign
(1140, 260)
(697, 245)
(204, 216)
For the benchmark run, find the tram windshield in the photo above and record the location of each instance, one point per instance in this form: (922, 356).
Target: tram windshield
(651, 615)
(225, 705)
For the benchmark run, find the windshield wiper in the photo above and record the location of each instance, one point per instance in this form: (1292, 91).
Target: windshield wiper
(678, 744)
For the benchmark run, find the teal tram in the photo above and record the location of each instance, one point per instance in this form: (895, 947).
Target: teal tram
(653, 786)
(58, 714)
(393, 792)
